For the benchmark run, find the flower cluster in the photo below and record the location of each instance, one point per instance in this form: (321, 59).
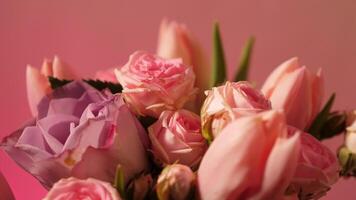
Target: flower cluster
(161, 138)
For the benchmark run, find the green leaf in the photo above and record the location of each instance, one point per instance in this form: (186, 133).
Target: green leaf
(97, 84)
(56, 83)
(119, 182)
(242, 73)
(101, 85)
(321, 118)
(335, 124)
(219, 66)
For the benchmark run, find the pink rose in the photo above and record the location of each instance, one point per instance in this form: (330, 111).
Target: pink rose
(37, 81)
(295, 90)
(152, 84)
(106, 75)
(75, 189)
(176, 137)
(82, 133)
(317, 168)
(253, 158)
(5, 190)
(228, 102)
(176, 41)
(176, 182)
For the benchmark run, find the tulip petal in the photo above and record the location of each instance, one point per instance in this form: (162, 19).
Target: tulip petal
(37, 87)
(241, 148)
(317, 95)
(275, 77)
(62, 70)
(280, 168)
(249, 145)
(294, 98)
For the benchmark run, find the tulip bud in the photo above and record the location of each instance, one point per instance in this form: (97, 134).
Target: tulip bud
(176, 41)
(297, 91)
(37, 83)
(176, 182)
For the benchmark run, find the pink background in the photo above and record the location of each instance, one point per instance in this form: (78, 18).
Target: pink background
(91, 35)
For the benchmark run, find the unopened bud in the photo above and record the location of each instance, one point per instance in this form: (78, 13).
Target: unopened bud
(176, 182)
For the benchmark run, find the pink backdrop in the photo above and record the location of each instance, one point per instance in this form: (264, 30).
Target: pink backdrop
(94, 35)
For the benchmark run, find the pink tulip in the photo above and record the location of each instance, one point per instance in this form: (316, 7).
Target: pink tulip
(317, 168)
(152, 84)
(106, 75)
(295, 90)
(37, 81)
(226, 103)
(75, 189)
(253, 158)
(176, 41)
(5, 190)
(176, 138)
(176, 182)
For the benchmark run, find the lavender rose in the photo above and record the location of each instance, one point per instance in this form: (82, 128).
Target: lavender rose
(82, 133)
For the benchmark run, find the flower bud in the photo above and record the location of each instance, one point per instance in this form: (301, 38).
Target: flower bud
(296, 90)
(176, 182)
(140, 187)
(347, 153)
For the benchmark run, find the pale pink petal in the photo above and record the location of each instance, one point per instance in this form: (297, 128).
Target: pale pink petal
(62, 70)
(240, 143)
(106, 75)
(318, 93)
(37, 87)
(47, 69)
(176, 41)
(171, 43)
(293, 96)
(280, 168)
(274, 78)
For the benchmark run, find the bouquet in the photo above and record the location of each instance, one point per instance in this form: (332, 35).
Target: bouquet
(170, 126)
